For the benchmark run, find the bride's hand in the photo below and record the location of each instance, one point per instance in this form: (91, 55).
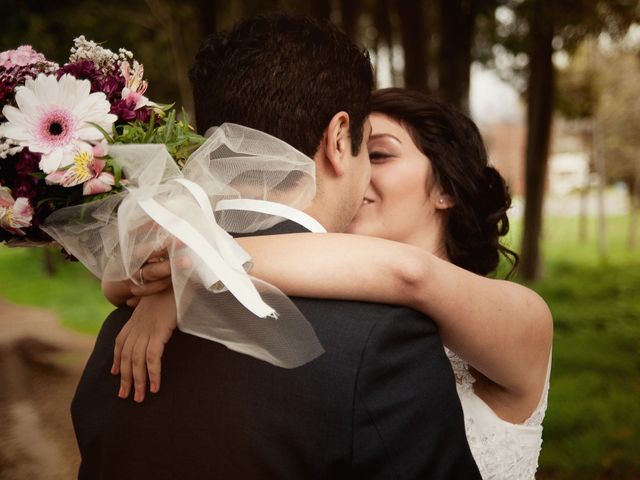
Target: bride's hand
(156, 277)
(156, 274)
(140, 344)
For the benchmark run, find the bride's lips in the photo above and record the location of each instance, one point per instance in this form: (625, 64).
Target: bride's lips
(366, 201)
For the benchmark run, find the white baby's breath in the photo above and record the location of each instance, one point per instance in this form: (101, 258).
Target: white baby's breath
(8, 148)
(104, 59)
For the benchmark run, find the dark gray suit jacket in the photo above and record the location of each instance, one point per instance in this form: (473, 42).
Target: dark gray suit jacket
(379, 404)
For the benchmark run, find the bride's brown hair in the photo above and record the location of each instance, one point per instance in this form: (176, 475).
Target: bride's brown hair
(453, 144)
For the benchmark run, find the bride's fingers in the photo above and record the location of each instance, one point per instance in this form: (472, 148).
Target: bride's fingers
(158, 270)
(150, 287)
(139, 367)
(126, 374)
(117, 349)
(155, 349)
(152, 272)
(158, 255)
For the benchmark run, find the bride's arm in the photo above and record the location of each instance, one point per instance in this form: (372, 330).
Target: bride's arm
(501, 328)
(117, 293)
(126, 292)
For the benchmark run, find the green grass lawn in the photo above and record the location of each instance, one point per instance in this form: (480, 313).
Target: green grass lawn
(73, 293)
(592, 429)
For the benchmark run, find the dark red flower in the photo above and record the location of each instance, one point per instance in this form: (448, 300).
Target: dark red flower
(124, 111)
(112, 86)
(26, 184)
(85, 69)
(28, 162)
(144, 114)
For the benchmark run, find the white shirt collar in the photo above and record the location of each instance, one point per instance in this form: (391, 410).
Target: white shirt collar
(272, 208)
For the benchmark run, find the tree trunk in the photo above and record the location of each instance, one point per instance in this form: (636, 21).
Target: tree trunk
(583, 215)
(634, 204)
(349, 14)
(207, 16)
(47, 262)
(384, 37)
(321, 9)
(539, 118)
(415, 43)
(254, 7)
(457, 28)
(162, 11)
(602, 176)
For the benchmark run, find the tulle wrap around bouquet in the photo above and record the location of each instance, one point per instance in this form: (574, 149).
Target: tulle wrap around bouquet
(87, 160)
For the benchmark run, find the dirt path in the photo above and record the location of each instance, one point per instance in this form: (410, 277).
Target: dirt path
(40, 364)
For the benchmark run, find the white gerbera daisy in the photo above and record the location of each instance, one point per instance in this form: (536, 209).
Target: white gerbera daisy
(53, 118)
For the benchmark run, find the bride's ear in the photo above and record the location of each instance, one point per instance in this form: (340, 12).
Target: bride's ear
(336, 144)
(444, 202)
(441, 200)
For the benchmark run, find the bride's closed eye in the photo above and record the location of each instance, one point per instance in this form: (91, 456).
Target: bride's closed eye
(383, 147)
(379, 156)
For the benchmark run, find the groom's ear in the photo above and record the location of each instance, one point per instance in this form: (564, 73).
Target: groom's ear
(337, 144)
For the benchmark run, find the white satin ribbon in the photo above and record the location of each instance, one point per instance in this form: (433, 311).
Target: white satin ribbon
(220, 261)
(272, 208)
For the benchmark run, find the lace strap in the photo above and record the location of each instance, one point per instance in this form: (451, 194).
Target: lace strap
(537, 416)
(460, 368)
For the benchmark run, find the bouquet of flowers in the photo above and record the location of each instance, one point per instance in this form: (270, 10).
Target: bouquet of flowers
(87, 160)
(56, 126)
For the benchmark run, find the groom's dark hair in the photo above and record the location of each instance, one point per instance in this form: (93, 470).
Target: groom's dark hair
(284, 74)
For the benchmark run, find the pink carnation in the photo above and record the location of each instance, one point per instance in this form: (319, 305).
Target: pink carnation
(20, 57)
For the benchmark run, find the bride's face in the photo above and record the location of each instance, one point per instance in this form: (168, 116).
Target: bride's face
(401, 201)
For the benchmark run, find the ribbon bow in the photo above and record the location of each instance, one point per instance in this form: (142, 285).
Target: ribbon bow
(165, 207)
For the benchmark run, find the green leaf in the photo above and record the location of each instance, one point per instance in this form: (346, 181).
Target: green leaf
(117, 170)
(170, 122)
(151, 125)
(103, 132)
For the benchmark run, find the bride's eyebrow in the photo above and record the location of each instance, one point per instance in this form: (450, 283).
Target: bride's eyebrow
(375, 136)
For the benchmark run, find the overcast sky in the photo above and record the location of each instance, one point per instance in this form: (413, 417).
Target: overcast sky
(491, 98)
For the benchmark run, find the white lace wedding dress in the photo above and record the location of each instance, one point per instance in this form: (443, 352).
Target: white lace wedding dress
(502, 450)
